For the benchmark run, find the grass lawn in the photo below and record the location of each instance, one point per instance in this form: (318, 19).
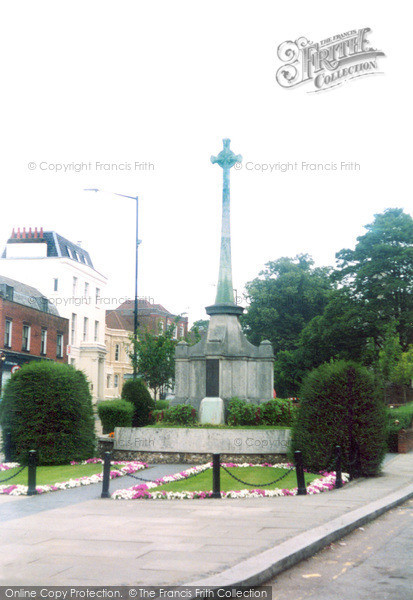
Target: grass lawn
(257, 475)
(52, 475)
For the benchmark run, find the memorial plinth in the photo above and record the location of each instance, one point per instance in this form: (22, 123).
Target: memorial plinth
(224, 364)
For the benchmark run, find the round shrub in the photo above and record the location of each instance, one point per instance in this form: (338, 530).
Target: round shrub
(135, 391)
(115, 413)
(241, 412)
(340, 405)
(48, 407)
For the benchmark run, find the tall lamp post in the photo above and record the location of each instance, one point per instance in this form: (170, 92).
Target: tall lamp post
(135, 310)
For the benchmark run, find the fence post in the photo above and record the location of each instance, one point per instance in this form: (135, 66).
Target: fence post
(298, 459)
(339, 480)
(7, 446)
(106, 475)
(31, 490)
(216, 476)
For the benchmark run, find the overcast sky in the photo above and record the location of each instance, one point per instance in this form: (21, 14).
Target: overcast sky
(162, 83)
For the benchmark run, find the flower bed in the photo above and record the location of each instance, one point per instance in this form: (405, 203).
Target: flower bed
(21, 490)
(325, 483)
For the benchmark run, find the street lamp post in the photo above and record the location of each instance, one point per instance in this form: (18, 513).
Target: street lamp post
(135, 310)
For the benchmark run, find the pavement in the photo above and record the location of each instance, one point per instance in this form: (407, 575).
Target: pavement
(74, 537)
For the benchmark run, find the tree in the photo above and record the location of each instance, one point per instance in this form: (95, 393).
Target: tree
(379, 272)
(156, 358)
(283, 299)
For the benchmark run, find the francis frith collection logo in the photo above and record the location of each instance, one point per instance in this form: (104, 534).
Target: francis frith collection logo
(329, 63)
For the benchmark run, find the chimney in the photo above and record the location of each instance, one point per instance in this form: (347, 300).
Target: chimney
(30, 232)
(18, 232)
(41, 232)
(24, 233)
(13, 234)
(35, 232)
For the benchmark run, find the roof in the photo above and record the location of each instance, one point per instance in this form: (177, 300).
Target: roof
(57, 245)
(123, 316)
(26, 295)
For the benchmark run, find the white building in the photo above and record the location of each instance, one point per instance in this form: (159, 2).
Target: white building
(64, 273)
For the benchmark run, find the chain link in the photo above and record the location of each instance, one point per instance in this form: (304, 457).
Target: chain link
(14, 475)
(258, 484)
(156, 480)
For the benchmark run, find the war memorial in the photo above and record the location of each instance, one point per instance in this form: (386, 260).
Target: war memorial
(223, 365)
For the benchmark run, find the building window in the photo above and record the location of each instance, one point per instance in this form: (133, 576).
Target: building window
(26, 338)
(97, 295)
(73, 330)
(116, 381)
(72, 362)
(7, 334)
(161, 327)
(55, 284)
(86, 290)
(43, 342)
(85, 328)
(108, 381)
(181, 331)
(59, 345)
(96, 331)
(74, 287)
(117, 350)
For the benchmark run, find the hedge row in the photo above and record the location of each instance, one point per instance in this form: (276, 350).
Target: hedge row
(274, 412)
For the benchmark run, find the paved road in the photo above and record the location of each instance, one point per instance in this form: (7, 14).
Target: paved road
(372, 563)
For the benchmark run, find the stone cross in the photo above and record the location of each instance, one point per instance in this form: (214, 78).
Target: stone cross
(225, 159)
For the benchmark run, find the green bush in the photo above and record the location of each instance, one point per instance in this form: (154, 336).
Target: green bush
(180, 414)
(135, 391)
(340, 406)
(241, 412)
(278, 412)
(115, 413)
(161, 404)
(48, 407)
(397, 419)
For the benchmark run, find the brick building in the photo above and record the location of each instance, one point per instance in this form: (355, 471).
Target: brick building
(64, 272)
(30, 327)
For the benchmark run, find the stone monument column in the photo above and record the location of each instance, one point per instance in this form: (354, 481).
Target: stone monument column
(223, 364)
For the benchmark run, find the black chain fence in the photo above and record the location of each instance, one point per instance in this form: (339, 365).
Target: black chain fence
(260, 485)
(14, 475)
(156, 480)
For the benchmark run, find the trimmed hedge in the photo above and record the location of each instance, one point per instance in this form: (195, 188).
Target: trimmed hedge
(274, 412)
(340, 405)
(180, 414)
(48, 407)
(136, 392)
(115, 413)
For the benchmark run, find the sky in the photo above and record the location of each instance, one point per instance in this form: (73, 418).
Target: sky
(161, 84)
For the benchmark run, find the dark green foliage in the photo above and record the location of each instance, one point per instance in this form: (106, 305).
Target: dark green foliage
(180, 414)
(241, 412)
(136, 392)
(286, 296)
(397, 419)
(339, 405)
(115, 413)
(278, 412)
(161, 404)
(275, 412)
(48, 407)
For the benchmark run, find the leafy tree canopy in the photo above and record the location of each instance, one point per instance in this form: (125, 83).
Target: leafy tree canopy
(285, 296)
(379, 271)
